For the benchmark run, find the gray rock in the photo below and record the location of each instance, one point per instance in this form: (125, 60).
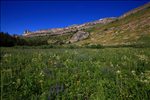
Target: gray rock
(80, 35)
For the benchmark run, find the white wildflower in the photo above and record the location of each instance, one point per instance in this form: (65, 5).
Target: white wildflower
(41, 73)
(7, 55)
(118, 71)
(145, 81)
(133, 72)
(143, 57)
(142, 73)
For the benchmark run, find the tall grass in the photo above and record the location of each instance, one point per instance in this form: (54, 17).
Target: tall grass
(101, 74)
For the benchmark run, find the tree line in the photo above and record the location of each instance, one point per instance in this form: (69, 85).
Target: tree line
(7, 40)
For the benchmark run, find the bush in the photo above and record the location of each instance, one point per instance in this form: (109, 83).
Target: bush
(6, 40)
(94, 46)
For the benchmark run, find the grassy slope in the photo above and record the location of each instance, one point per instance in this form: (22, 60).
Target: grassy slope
(57, 39)
(134, 28)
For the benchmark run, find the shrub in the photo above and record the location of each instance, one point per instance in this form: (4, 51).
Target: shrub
(94, 46)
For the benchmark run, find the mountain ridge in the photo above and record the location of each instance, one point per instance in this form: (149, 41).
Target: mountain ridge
(72, 28)
(127, 29)
(135, 10)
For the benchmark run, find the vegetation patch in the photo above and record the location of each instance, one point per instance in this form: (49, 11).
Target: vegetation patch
(109, 73)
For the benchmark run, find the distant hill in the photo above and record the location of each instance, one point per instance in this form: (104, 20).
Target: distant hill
(130, 28)
(69, 29)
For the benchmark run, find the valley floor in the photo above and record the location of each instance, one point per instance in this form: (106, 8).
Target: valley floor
(68, 74)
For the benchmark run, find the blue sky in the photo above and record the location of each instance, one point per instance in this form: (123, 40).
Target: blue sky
(17, 16)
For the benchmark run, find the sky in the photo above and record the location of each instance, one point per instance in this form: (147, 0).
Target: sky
(17, 16)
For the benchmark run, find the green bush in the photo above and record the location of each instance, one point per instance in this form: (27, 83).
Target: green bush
(94, 46)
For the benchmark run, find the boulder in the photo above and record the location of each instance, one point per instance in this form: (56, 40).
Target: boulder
(80, 35)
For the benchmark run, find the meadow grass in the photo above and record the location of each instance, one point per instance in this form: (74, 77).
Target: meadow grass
(68, 74)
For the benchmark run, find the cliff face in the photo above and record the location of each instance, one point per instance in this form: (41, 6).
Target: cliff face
(69, 29)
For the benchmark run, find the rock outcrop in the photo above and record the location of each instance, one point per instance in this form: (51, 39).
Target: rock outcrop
(80, 35)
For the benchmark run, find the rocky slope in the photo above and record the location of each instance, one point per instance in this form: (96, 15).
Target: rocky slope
(69, 29)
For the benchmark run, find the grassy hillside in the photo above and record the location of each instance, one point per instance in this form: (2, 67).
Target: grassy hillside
(133, 29)
(48, 40)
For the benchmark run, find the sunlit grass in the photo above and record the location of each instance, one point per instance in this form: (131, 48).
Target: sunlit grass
(101, 74)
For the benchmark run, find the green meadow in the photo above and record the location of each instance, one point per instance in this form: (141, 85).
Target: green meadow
(75, 74)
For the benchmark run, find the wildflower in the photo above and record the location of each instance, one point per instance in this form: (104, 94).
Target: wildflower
(13, 82)
(66, 51)
(34, 59)
(58, 57)
(125, 57)
(148, 77)
(41, 81)
(133, 72)
(145, 81)
(118, 72)
(78, 82)
(88, 71)
(130, 96)
(142, 73)
(111, 64)
(142, 57)
(41, 73)
(7, 55)
(18, 81)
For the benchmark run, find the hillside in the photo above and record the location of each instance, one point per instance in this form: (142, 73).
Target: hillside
(105, 59)
(69, 29)
(130, 28)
